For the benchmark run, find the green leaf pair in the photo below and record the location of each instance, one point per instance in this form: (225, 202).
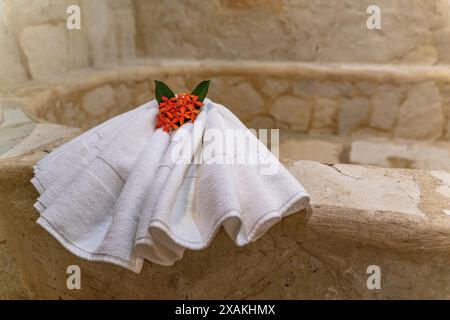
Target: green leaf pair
(163, 90)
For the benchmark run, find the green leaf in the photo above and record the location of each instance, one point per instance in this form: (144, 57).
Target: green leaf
(162, 90)
(201, 90)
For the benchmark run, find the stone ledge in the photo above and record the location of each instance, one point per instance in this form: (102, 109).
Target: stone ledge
(139, 69)
(402, 208)
(410, 102)
(398, 208)
(378, 215)
(21, 133)
(401, 153)
(363, 150)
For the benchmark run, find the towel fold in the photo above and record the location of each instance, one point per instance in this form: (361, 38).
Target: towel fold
(124, 191)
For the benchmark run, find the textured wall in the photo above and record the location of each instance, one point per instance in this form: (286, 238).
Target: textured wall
(400, 103)
(363, 118)
(413, 31)
(35, 43)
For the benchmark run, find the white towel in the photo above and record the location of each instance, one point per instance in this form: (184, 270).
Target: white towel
(124, 191)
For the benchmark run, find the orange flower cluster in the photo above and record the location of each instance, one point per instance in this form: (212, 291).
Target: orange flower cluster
(174, 112)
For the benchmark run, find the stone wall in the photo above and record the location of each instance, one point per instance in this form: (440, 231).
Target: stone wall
(413, 31)
(402, 102)
(36, 44)
(389, 117)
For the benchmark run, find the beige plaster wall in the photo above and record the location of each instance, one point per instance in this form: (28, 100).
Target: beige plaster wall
(35, 43)
(413, 31)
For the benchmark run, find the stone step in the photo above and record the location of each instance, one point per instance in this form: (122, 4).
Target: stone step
(397, 219)
(401, 154)
(389, 153)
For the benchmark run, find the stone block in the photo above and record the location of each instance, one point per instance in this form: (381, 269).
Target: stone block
(401, 154)
(325, 114)
(385, 104)
(46, 49)
(421, 115)
(352, 113)
(99, 100)
(294, 111)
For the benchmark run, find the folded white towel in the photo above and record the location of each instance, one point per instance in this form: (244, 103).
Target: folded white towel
(124, 191)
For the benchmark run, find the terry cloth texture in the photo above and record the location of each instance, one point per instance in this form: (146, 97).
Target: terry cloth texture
(124, 191)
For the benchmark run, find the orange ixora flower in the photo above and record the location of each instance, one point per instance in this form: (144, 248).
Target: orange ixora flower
(174, 112)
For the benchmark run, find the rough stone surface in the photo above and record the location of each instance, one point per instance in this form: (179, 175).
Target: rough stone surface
(98, 101)
(359, 215)
(366, 114)
(371, 111)
(104, 48)
(73, 115)
(41, 134)
(294, 31)
(11, 115)
(241, 98)
(45, 47)
(177, 84)
(352, 112)
(293, 111)
(11, 286)
(366, 188)
(335, 89)
(421, 115)
(125, 27)
(275, 87)
(13, 71)
(123, 97)
(143, 91)
(367, 88)
(302, 147)
(261, 122)
(401, 154)
(325, 113)
(36, 42)
(385, 103)
(305, 87)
